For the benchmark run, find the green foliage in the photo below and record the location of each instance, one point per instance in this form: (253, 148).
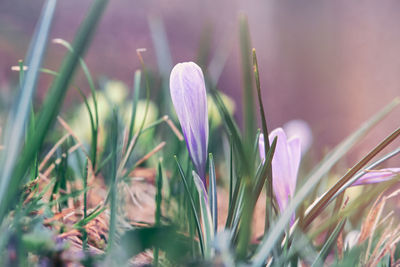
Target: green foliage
(43, 210)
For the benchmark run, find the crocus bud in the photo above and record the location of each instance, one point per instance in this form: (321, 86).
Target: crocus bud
(285, 166)
(188, 93)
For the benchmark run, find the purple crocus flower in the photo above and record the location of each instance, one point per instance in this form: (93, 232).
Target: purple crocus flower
(285, 165)
(188, 93)
(377, 176)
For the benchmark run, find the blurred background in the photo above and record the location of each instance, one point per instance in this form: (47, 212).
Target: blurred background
(331, 63)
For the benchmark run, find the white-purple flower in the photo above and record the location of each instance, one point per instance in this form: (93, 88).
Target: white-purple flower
(285, 165)
(377, 176)
(188, 93)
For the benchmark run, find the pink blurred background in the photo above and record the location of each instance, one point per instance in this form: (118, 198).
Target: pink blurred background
(331, 63)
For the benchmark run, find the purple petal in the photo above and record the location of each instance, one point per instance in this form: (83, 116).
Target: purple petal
(281, 168)
(377, 176)
(285, 165)
(300, 129)
(188, 93)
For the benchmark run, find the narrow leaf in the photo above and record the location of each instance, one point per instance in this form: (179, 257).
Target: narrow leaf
(212, 193)
(19, 115)
(324, 200)
(328, 245)
(270, 239)
(192, 205)
(205, 216)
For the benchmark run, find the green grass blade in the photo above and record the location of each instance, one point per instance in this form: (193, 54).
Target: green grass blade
(135, 100)
(159, 185)
(260, 179)
(248, 101)
(234, 206)
(147, 86)
(245, 214)
(206, 218)
(14, 134)
(92, 87)
(328, 245)
(270, 239)
(193, 207)
(229, 122)
(269, 188)
(159, 182)
(242, 163)
(84, 98)
(53, 102)
(97, 211)
(212, 192)
(113, 180)
(85, 188)
(327, 197)
(230, 173)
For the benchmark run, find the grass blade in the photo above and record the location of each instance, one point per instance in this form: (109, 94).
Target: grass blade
(135, 100)
(248, 102)
(19, 116)
(193, 207)
(93, 91)
(270, 239)
(52, 104)
(260, 179)
(361, 173)
(328, 245)
(327, 197)
(230, 172)
(206, 218)
(159, 183)
(113, 180)
(269, 189)
(212, 193)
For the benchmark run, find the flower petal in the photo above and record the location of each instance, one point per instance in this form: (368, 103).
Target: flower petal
(285, 166)
(281, 168)
(189, 98)
(377, 176)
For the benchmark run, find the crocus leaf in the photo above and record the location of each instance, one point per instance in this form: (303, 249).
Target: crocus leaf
(212, 192)
(269, 187)
(206, 218)
(19, 115)
(328, 245)
(193, 206)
